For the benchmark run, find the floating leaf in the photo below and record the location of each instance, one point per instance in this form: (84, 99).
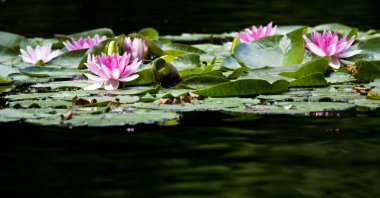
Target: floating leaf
(7, 54)
(277, 50)
(69, 59)
(371, 46)
(243, 88)
(107, 119)
(186, 61)
(300, 108)
(312, 80)
(182, 47)
(91, 33)
(208, 104)
(48, 71)
(366, 71)
(149, 33)
(145, 78)
(5, 81)
(319, 65)
(5, 88)
(10, 40)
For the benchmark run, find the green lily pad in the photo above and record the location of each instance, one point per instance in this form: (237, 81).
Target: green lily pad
(277, 50)
(243, 88)
(209, 104)
(100, 31)
(108, 119)
(292, 108)
(312, 80)
(316, 66)
(69, 59)
(5, 81)
(371, 46)
(149, 33)
(8, 54)
(49, 71)
(10, 40)
(182, 47)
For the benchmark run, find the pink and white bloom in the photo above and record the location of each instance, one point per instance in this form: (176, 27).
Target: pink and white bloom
(328, 44)
(83, 43)
(254, 33)
(39, 53)
(136, 47)
(109, 70)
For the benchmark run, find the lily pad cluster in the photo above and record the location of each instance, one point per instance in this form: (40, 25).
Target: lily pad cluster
(274, 74)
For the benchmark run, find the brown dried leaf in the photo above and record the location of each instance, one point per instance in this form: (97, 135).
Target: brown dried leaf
(67, 116)
(181, 99)
(361, 89)
(79, 101)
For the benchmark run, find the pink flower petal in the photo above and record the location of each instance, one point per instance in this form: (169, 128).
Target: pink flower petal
(348, 54)
(93, 86)
(315, 49)
(95, 78)
(115, 73)
(248, 35)
(129, 78)
(334, 63)
(111, 84)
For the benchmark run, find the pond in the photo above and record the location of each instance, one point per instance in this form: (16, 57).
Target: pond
(208, 154)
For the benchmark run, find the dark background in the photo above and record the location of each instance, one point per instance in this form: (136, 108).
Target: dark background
(47, 17)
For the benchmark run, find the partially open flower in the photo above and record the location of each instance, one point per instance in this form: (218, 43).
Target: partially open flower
(83, 43)
(328, 44)
(109, 70)
(254, 33)
(38, 54)
(136, 47)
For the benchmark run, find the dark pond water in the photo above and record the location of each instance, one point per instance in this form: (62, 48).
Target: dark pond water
(46, 17)
(272, 156)
(206, 155)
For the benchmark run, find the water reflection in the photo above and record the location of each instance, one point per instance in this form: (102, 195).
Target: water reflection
(266, 157)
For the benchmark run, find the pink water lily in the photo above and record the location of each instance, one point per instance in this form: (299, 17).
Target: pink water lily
(136, 47)
(109, 70)
(254, 33)
(328, 44)
(83, 43)
(39, 53)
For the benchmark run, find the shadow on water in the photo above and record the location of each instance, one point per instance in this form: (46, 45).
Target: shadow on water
(270, 156)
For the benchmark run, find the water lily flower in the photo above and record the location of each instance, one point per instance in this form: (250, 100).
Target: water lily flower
(254, 33)
(39, 53)
(109, 70)
(328, 44)
(136, 47)
(83, 43)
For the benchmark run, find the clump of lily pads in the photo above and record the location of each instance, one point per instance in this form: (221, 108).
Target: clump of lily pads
(144, 77)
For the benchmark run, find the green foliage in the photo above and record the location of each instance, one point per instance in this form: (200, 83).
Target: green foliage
(271, 75)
